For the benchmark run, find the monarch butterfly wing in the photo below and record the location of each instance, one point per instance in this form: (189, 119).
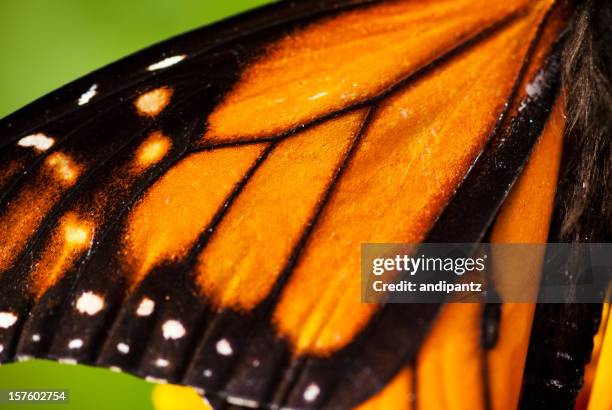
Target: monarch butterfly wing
(597, 374)
(133, 70)
(174, 220)
(470, 356)
(83, 141)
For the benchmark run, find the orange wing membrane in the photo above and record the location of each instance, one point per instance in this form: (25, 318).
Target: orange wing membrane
(194, 214)
(343, 61)
(419, 134)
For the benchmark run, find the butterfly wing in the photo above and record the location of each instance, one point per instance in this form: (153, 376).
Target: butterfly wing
(194, 213)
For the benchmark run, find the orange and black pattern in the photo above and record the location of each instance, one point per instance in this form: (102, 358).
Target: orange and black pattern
(193, 214)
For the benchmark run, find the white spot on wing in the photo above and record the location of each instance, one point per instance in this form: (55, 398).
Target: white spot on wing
(89, 303)
(534, 88)
(36, 338)
(207, 373)
(312, 392)
(564, 355)
(88, 95)
(67, 360)
(38, 141)
(146, 307)
(173, 329)
(556, 383)
(224, 347)
(152, 379)
(166, 62)
(1, 348)
(161, 362)
(238, 401)
(75, 344)
(123, 347)
(115, 369)
(7, 319)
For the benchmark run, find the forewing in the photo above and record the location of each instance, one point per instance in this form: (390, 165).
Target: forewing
(194, 213)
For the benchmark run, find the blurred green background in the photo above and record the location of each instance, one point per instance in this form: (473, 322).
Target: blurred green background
(43, 45)
(47, 43)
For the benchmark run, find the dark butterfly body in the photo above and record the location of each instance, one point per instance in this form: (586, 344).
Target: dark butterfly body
(148, 114)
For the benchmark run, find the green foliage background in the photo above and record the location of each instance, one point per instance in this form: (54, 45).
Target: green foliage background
(43, 45)
(47, 43)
